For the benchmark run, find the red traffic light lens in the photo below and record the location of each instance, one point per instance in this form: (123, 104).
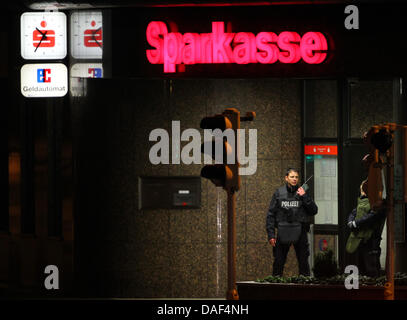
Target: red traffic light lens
(382, 140)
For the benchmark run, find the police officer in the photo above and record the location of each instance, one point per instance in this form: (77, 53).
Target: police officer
(366, 225)
(289, 210)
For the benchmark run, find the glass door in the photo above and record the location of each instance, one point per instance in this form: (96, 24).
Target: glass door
(321, 168)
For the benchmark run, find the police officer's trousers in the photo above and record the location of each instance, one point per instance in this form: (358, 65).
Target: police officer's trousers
(369, 257)
(301, 247)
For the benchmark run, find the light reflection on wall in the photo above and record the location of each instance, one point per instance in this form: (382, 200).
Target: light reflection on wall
(77, 87)
(78, 74)
(86, 34)
(87, 48)
(14, 170)
(87, 70)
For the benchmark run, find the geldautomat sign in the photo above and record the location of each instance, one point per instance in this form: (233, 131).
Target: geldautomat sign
(172, 48)
(44, 80)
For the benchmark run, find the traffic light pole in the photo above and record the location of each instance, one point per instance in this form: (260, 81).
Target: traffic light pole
(380, 139)
(389, 285)
(232, 293)
(227, 176)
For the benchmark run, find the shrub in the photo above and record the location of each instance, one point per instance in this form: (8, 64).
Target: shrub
(325, 265)
(400, 279)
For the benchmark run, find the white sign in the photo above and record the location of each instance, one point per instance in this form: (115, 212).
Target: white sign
(43, 35)
(44, 80)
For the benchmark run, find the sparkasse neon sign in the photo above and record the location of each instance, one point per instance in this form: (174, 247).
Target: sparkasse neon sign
(174, 48)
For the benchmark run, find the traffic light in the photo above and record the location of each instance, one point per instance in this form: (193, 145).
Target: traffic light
(379, 140)
(380, 159)
(225, 172)
(224, 133)
(382, 139)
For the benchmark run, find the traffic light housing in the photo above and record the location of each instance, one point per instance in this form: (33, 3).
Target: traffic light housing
(379, 139)
(226, 173)
(382, 139)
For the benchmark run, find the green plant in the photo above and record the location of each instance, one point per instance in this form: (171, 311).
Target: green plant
(325, 265)
(295, 279)
(400, 279)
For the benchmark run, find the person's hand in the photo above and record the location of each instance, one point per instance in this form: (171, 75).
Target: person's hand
(300, 191)
(352, 225)
(272, 241)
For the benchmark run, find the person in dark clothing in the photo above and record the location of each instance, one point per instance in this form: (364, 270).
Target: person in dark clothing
(366, 225)
(289, 212)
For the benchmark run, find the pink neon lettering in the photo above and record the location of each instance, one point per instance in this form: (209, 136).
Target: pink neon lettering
(289, 41)
(243, 51)
(206, 48)
(173, 46)
(156, 31)
(311, 45)
(192, 50)
(222, 52)
(174, 49)
(268, 53)
(253, 47)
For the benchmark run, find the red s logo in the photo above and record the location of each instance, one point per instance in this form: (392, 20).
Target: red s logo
(93, 38)
(47, 36)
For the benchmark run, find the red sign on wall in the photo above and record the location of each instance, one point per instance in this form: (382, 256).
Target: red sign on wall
(288, 47)
(323, 150)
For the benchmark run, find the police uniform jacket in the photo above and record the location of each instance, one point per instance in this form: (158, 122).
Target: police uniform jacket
(287, 206)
